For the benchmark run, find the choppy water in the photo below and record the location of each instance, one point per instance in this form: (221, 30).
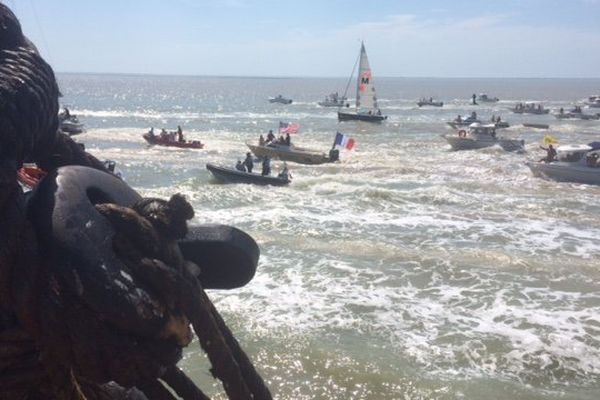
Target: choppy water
(404, 272)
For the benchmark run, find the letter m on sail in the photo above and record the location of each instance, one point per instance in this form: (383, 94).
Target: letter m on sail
(364, 80)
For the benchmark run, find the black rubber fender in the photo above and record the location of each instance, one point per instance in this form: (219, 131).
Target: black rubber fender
(77, 242)
(227, 256)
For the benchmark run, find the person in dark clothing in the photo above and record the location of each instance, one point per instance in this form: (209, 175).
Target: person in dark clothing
(248, 163)
(266, 166)
(239, 166)
(474, 99)
(550, 154)
(288, 139)
(180, 134)
(270, 137)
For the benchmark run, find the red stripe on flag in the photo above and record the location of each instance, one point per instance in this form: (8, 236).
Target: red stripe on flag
(350, 144)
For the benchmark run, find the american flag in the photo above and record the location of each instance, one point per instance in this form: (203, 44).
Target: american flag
(288, 127)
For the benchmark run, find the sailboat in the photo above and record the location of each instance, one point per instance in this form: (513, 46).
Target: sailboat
(366, 99)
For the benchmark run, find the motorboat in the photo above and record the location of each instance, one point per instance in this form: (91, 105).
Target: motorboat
(576, 113)
(575, 163)
(529, 108)
(70, 124)
(478, 136)
(535, 125)
(430, 102)
(333, 100)
(280, 99)
(232, 175)
(593, 100)
(594, 104)
(167, 140)
(459, 121)
(293, 153)
(484, 98)
(367, 109)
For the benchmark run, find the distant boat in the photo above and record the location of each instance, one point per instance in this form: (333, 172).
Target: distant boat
(430, 102)
(537, 126)
(69, 123)
(367, 108)
(593, 101)
(333, 100)
(159, 140)
(594, 104)
(576, 163)
(232, 175)
(458, 122)
(479, 136)
(280, 99)
(292, 153)
(484, 98)
(575, 113)
(529, 109)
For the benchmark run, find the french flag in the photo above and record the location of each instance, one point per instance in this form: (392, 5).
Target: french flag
(344, 141)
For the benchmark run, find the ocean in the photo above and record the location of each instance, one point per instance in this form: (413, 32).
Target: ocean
(406, 270)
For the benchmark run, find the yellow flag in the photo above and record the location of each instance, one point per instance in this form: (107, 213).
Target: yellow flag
(549, 140)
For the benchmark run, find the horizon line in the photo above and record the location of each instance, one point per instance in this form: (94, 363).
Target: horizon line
(315, 77)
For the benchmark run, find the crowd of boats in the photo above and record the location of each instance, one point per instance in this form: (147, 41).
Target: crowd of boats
(576, 163)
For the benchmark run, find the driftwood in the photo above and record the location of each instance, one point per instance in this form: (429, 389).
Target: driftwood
(54, 344)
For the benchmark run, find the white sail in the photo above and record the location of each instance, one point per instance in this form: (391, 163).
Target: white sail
(366, 99)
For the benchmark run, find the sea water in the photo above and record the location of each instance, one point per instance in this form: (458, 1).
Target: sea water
(406, 270)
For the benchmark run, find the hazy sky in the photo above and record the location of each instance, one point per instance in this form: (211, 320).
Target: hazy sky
(485, 38)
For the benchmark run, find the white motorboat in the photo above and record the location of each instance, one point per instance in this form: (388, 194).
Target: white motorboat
(594, 104)
(576, 163)
(479, 136)
(459, 121)
(593, 100)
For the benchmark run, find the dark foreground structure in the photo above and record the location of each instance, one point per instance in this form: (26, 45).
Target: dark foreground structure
(99, 286)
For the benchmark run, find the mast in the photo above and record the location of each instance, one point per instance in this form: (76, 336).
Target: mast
(351, 75)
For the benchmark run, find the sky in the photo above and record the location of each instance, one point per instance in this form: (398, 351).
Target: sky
(310, 38)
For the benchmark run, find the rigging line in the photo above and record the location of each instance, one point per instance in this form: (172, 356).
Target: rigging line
(41, 30)
(351, 75)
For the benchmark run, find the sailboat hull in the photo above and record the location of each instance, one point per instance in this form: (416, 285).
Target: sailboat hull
(349, 116)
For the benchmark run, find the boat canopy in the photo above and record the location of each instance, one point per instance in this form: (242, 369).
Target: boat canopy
(574, 148)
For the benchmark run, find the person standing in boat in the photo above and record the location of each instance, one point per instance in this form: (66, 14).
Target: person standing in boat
(270, 136)
(266, 166)
(180, 134)
(261, 140)
(550, 153)
(288, 139)
(248, 163)
(474, 97)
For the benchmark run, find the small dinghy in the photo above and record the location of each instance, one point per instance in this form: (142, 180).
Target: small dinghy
(232, 175)
(160, 140)
(430, 102)
(280, 99)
